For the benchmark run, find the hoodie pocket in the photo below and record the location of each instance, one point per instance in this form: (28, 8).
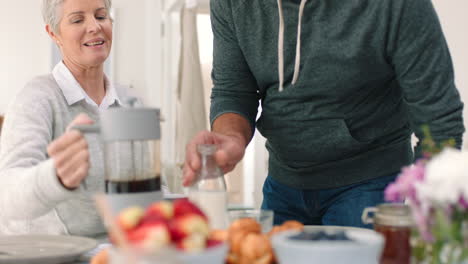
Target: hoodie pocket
(307, 143)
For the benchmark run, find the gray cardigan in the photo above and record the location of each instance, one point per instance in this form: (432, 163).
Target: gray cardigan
(32, 200)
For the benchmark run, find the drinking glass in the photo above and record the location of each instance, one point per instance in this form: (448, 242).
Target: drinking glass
(262, 216)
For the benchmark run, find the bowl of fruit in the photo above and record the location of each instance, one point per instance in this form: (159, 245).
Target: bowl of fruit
(167, 232)
(328, 245)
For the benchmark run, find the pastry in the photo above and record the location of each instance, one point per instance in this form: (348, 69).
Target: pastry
(100, 258)
(247, 225)
(256, 249)
(218, 234)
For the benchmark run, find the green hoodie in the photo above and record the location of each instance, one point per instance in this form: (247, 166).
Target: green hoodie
(369, 73)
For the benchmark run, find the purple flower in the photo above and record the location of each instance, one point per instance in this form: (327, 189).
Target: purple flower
(463, 203)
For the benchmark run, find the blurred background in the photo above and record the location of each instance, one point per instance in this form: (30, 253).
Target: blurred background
(149, 36)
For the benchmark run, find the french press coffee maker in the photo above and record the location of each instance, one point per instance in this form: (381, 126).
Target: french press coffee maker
(131, 142)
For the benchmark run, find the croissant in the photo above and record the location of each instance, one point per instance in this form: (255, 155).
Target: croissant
(248, 245)
(236, 240)
(101, 258)
(247, 225)
(288, 225)
(219, 234)
(294, 225)
(256, 249)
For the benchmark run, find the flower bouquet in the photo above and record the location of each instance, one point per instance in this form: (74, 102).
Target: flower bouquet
(436, 189)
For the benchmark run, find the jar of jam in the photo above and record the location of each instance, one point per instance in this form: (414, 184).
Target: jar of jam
(394, 222)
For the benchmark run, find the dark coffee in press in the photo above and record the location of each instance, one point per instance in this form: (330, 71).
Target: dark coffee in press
(135, 186)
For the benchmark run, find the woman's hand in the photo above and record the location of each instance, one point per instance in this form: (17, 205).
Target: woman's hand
(70, 154)
(230, 151)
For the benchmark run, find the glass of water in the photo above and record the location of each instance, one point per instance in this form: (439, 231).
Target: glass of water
(262, 216)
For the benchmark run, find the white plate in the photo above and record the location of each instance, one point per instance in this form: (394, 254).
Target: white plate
(43, 249)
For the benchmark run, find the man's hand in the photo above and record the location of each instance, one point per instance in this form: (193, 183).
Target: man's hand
(230, 151)
(70, 154)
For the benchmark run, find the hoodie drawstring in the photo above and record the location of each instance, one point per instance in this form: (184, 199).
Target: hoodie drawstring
(281, 45)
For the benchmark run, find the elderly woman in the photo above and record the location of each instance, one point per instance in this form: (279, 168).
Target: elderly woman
(42, 161)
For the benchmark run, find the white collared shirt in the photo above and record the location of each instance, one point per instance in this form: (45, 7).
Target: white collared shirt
(73, 91)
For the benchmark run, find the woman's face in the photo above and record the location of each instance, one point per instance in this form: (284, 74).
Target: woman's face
(85, 32)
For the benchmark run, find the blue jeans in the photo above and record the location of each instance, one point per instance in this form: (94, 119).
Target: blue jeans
(341, 206)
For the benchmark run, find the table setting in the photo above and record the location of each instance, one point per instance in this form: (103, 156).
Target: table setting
(247, 228)
(425, 222)
(141, 236)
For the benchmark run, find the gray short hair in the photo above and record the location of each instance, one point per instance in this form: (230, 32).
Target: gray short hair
(52, 15)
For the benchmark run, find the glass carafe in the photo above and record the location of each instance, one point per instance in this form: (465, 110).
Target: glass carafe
(209, 190)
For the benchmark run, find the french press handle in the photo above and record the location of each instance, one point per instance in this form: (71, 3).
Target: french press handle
(87, 129)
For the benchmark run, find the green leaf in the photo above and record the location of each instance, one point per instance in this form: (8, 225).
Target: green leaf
(429, 146)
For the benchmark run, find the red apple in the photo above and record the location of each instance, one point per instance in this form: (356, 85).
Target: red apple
(193, 243)
(213, 243)
(163, 209)
(187, 225)
(149, 219)
(185, 206)
(150, 237)
(130, 217)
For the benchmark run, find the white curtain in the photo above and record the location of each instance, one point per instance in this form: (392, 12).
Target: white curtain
(191, 114)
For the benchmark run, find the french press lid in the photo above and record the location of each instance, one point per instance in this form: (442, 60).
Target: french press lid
(123, 124)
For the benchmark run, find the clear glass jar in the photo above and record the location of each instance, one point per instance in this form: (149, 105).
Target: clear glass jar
(209, 190)
(394, 221)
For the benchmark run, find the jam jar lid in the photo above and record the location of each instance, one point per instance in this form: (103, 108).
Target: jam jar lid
(393, 214)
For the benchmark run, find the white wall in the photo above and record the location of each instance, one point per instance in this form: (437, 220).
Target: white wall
(138, 48)
(25, 48)
(452, 14)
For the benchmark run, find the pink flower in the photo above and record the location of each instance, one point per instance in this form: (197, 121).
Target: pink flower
(423, 224)
(404, 186)
(432, 188)
(393, 193)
